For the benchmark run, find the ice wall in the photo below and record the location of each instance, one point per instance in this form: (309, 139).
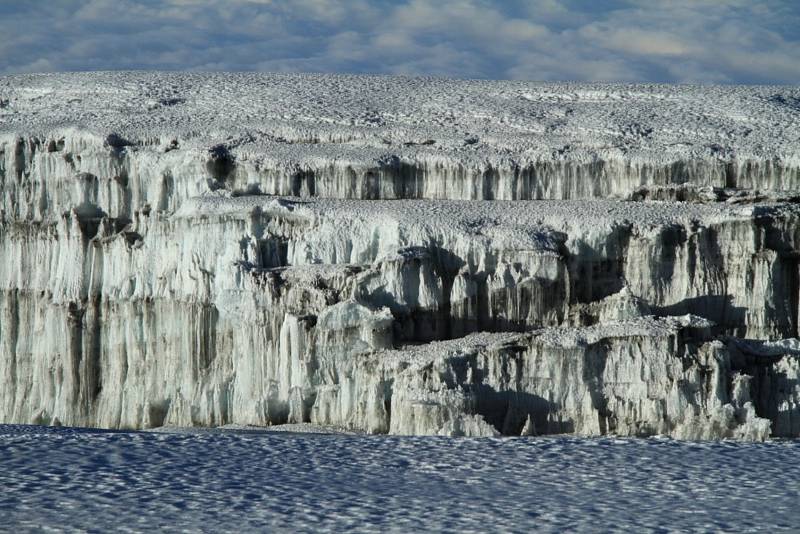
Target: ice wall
(47, 175)
(204, 249)
(257, 310)
(157, 139)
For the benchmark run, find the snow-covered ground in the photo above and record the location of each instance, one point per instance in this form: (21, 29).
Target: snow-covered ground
(57, 479)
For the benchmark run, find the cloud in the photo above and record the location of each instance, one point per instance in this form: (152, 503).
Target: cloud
(729, 41)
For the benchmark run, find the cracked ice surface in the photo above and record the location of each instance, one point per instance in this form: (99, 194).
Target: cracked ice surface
(230, 481)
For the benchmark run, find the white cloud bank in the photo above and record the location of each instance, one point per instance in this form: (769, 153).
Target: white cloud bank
(727, 41)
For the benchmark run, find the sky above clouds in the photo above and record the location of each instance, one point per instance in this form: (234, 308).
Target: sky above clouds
(708, 41)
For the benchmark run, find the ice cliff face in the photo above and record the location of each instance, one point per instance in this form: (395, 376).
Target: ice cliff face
(150, 276)
(157, 140)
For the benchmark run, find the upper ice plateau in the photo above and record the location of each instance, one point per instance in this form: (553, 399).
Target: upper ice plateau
(400, 255)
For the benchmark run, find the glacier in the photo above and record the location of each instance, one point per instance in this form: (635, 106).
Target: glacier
(399, 255)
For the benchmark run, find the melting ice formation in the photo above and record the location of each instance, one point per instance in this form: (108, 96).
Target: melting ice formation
(401, 255)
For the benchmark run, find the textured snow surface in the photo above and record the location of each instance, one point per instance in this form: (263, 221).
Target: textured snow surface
(229, 481)
(303, 116)
(480, 216)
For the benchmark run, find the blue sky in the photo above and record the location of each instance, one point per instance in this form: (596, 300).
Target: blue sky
(708, 41)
